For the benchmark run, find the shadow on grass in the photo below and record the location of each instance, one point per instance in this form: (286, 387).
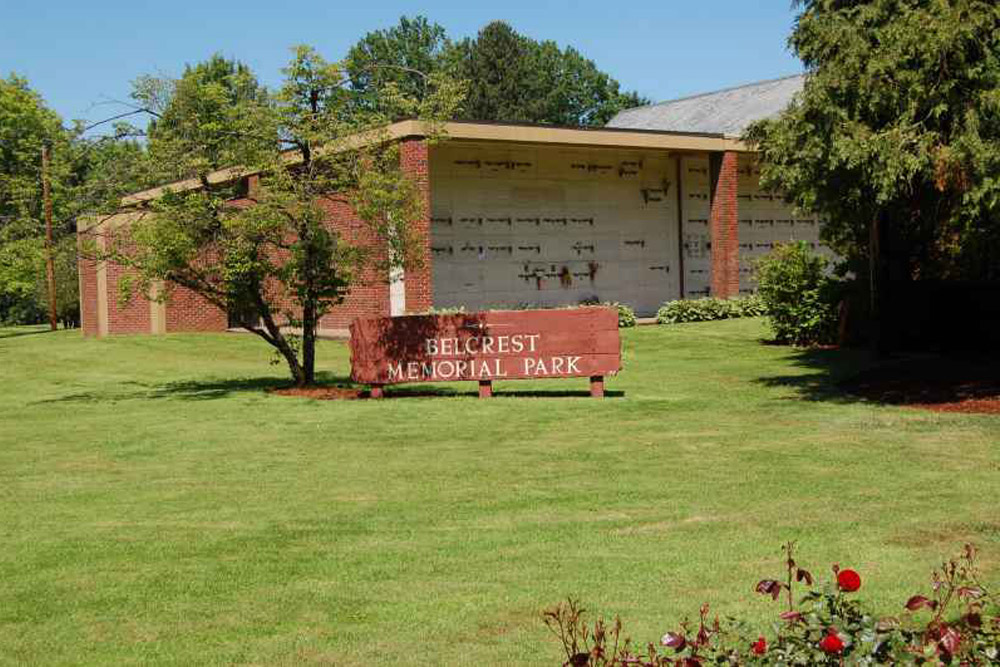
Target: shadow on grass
(418, 392)
(212, 389)
(190, 390)
(17, 332)
(831, 369)
(854, 375)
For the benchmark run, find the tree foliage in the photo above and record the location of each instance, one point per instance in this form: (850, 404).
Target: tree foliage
(515, 78)
(895, 138)
(510, 77)
(198, 114)
(269, 251)
(26, 125)
(403, 55)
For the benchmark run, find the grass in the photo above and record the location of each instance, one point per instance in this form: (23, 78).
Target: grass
(159, 507)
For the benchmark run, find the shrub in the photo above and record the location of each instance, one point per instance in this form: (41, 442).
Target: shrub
(958, 623)
(704, 310)
(626, 316)
(800, 296)
(750, 306)
(444, 310)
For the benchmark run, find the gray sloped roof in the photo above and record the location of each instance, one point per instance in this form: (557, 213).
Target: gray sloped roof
(727, 111)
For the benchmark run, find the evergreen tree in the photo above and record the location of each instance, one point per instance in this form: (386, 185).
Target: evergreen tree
(895, 138)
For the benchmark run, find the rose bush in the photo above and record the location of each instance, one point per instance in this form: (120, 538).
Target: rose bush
(957, 623)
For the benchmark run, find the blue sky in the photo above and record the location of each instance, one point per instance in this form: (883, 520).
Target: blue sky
(82, 55)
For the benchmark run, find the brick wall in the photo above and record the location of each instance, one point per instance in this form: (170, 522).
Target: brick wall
(88, 292)
(369, 296)
(132, 316)
(413, 158)
(187, 311)
(724, 224)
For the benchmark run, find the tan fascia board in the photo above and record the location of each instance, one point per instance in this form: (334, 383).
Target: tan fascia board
(499, 132)
(605, 138)
(99, 224)
(400, 130)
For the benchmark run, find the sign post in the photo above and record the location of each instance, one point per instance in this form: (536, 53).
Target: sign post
(487, 346)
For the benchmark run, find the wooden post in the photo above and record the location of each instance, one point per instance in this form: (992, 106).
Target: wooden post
(597, 386)
(485, 389)
(376, 391)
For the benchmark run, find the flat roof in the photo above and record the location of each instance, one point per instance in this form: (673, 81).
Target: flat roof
(519, 133)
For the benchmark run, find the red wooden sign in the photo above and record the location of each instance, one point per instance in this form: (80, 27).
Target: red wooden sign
(493, 345)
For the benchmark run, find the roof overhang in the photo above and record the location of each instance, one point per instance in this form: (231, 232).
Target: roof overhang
(589, 137)
(489, 132)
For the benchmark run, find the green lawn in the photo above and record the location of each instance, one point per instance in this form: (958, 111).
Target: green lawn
(157, 506)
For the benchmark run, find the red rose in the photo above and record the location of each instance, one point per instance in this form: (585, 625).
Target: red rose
(759, 647)
(831, 644)
(848, 580)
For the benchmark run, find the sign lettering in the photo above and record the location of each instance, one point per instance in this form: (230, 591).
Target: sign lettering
(494, 345)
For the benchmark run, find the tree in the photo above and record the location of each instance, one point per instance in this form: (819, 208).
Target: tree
(403, 54)
(510, 77)
(275, 255)
(26, 125)
(195, 113)
(895, 138)
(514, 78)
(497, 65)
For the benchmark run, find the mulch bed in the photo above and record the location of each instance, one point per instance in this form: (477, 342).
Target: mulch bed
(322, 393)
(938, 384)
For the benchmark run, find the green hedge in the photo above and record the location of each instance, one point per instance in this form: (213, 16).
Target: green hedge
(707, 309)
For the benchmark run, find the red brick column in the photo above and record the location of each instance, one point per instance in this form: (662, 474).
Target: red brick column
(87, 269)
(725, 224)
(413, 159)
(131, 316)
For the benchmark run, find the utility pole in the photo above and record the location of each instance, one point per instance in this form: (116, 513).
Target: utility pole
(50, 269)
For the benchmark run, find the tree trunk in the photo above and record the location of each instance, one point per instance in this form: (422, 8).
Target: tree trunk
(877, 283)
(298, 373)
(278, 340)
(309, 325)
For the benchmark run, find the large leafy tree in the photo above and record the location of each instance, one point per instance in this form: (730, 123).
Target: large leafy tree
(403, 55)
(196, 113)
(515, 78)
(26, 125)
(271, 252)
(510, 77)
(895, 138)
(502, 82)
